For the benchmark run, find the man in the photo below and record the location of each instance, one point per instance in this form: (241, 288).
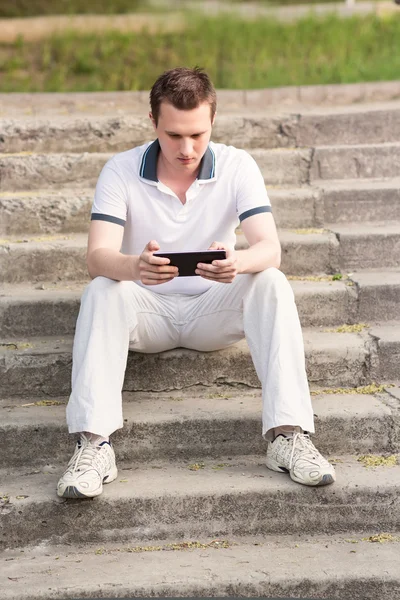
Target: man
(185, 193)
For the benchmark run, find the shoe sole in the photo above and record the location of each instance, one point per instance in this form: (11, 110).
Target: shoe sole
(72, 491)
(327, 479)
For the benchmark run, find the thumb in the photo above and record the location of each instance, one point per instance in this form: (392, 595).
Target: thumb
(217, 246)
(153, 246)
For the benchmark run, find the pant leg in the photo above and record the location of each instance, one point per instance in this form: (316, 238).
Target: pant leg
(260, 307)
(113, 316)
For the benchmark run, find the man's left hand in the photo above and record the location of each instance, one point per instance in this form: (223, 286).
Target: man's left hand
(223, 271)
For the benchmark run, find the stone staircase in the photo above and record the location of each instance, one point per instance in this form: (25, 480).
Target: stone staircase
(194, 511)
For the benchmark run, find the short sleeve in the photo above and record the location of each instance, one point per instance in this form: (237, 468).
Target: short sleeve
(251, 194)
(110, 198)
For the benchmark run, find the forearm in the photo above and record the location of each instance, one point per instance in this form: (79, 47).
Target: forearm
(258, 257)
(113, 264)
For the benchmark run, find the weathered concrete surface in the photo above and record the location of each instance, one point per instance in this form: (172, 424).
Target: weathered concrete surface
(119, 133)
(337, 202)
(378, 294)
(354, 162)
(242, 499)
(322, 304)
(52, 309)
(297, 208)
(63, 258)
(19, 172)
(42, 366)
(45, 212)
(355, 201)
(388, 347)
(367, 246)
(309, 253)
(49, 260)
(68, 210)
(344, 127)
(195, 424)
(48, 309)
(117, 103)
(365, 124)
(281, 566)
(76, 134)
(32, 311)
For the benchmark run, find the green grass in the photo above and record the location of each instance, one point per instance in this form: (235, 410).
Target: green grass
(33, 8)
(236, 54)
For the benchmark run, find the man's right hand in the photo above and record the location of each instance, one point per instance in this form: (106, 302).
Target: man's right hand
(154, 269)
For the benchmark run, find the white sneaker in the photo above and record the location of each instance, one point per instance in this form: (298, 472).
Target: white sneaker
(298, 456)
(90, 466)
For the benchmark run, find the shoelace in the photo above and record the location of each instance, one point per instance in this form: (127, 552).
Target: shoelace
(304, 440)
(85, 455)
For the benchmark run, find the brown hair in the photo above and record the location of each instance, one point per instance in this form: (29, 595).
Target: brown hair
(184, 88)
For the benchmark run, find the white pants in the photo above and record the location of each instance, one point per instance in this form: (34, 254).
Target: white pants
(116, 316)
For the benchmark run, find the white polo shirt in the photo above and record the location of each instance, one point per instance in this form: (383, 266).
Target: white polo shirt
(228, 189)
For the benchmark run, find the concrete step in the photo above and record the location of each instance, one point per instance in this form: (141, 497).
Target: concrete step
(35, 367)
(45, 212)
(68, 210)
(159, 502)
(50, 211)
(198, 424)
(304, 252)
(365, 246)
(368, 124)
(336, 566)
(352, 95)
(52, 309)
(22, 171)
(359, 200)
(355, 162)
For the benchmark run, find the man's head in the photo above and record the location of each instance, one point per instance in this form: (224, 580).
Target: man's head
(183, 108)
(185, 89)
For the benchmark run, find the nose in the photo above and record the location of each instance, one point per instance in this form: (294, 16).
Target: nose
(186, 147)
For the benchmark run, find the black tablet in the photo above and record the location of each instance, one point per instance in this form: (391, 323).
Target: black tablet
(187, 261)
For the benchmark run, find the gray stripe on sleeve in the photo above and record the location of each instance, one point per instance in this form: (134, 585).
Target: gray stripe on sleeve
(109, 218)
(254, 211)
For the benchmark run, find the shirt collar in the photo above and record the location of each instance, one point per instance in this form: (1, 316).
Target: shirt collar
(148, 165)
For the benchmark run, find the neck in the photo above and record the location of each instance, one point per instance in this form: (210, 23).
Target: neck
(164, 170)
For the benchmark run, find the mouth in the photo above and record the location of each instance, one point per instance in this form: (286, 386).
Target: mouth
(185, 161)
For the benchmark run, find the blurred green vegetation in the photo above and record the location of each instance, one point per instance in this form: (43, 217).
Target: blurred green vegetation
(235, 53)
(33, 8)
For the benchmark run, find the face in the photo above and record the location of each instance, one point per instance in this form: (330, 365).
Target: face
(184, 136)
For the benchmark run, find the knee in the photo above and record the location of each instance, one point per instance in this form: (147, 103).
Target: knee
(103, 288)
(273, 279)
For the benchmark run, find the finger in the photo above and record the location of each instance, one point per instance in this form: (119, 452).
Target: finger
(155, 276)
(216, 275)
(155, 281)
(214, 269)
(155, 268)
(217, 246)
(150, 259)
(219, 279)
(153, 246)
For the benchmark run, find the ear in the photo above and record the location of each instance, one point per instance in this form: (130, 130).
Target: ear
(153, 121)
(213, 120)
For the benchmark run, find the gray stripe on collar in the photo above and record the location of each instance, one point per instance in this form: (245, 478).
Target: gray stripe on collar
(148, 166)
(207, 165)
